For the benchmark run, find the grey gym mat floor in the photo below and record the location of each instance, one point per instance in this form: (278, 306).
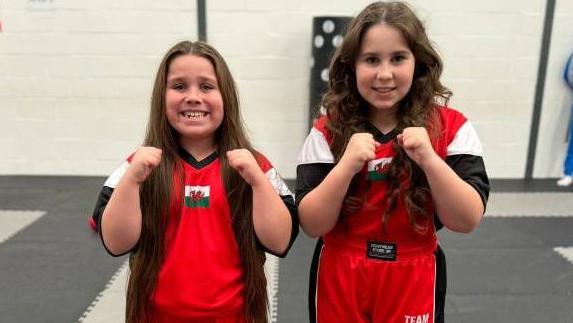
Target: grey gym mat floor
(516, 267)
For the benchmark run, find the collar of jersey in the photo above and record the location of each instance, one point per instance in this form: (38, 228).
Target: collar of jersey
(379, 136)
(197, 164)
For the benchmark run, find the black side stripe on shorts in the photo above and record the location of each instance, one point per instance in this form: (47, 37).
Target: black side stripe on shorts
(441, 286)
(313, 280)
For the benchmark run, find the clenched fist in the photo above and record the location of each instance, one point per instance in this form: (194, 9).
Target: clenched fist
(143, 162)
(361, 148)
(416, 143)
(245, 163)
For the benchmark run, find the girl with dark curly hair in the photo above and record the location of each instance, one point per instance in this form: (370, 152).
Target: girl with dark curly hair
(386, 166)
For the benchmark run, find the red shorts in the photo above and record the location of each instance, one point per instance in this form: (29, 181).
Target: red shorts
(354, 287)
(165, 317)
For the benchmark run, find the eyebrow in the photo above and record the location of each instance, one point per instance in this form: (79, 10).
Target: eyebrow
(183, 78)
(174, 79)
(398, 52)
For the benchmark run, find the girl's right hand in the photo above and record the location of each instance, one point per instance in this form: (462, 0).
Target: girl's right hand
(361, 148)
(143, 162)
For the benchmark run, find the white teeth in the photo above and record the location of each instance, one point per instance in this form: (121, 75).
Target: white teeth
(194, 114)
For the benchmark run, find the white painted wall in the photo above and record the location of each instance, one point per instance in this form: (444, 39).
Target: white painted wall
(76, 76)
(491, 52)
(558, 97)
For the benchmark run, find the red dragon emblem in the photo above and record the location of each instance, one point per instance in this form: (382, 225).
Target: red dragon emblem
(381, 168)
(195, 196)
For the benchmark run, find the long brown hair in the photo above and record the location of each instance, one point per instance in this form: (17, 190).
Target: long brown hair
(146, 262)
(348, 112)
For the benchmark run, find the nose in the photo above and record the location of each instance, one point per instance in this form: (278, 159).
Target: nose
(193, 96)
(384, 71)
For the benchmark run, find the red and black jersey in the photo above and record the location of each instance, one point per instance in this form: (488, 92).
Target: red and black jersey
(362, 231)
(202, 274)
(458, 144)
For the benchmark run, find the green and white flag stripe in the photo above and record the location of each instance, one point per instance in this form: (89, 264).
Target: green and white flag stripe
(378, 169)
(197, 196)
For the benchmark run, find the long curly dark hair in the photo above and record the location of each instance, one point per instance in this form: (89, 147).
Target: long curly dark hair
(146, 262)
(348, 111)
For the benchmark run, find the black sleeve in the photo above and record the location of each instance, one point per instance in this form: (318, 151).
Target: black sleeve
(102, 200)
(471, 169)
(101, 203)
(309, 176)
(288, 200)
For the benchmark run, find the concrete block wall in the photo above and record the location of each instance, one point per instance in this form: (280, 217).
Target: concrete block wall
(76, 76)
(491, 52)
(271, 59)
(558, 99)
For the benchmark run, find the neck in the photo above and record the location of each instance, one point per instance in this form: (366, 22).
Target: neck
(199, 148)
(384, 120)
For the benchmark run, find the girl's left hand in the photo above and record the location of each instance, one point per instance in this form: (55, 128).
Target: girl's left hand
(245, 163)
(416, 143)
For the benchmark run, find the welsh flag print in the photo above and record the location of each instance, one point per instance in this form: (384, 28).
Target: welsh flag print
(197, 196)
(378, 169)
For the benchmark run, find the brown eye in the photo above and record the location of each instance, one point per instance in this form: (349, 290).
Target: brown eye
(372, 60)
(178, 86)
(206, 87)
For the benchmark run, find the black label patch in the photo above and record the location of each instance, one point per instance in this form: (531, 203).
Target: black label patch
(381, 250)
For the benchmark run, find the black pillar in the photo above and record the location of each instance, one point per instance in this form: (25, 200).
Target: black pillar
(540, 87)
(327, 33)
(202, 20)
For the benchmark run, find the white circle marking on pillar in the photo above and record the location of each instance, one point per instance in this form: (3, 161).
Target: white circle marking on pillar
(318, 41)
(328, 26)
(337, 41)
(324, 75)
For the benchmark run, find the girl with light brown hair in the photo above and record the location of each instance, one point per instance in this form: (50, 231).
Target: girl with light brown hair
(196, 206)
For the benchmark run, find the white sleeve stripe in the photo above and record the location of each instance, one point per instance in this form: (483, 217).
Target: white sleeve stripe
(277, 182)
(315, 149)
(466, 142)
(114, 178)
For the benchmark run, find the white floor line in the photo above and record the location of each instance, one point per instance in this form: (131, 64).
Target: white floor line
(272, 273)
(530, 205)
(566, 252)
(12, 222)
(109, 305)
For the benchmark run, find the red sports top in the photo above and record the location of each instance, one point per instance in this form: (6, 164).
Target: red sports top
(202, 274)
(457, 137)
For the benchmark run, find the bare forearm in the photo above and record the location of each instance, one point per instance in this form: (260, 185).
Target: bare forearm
(320, 208)
(271, 218)
(121, 220)
(457, 203)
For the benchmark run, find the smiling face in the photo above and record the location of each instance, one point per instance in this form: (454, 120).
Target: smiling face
(384, 69)
(193, 101)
